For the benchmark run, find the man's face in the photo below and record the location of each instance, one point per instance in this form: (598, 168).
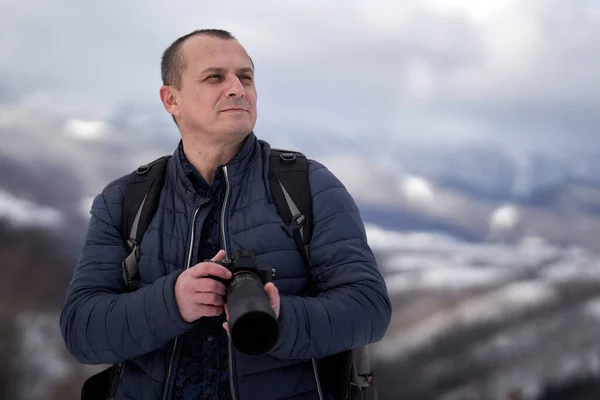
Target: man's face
(217, 97)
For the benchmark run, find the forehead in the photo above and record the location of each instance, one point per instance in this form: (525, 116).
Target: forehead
(202, 52)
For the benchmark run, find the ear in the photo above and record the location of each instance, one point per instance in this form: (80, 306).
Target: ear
(169, 98)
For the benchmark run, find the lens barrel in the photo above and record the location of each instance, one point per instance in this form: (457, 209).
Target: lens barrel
(253, 325)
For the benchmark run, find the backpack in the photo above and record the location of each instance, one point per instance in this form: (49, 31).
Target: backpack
(348, 374)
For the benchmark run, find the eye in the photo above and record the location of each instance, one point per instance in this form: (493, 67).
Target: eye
(214, 77)
(246, 77)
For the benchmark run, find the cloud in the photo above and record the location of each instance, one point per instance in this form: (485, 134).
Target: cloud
(85, 130)
(505, 217)
(416, 189)
(387, 75)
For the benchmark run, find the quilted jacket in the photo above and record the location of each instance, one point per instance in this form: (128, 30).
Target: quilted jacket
(102, 324)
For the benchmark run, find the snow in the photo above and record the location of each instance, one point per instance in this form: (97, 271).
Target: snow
(425, 261)
(445, 276)
(490, 307)
(24, 212)
(41, 354)
(382, 239)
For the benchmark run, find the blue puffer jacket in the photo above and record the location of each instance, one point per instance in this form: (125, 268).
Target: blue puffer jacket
(101, 324)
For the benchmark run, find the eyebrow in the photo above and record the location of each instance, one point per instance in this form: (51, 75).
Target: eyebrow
(244, 70)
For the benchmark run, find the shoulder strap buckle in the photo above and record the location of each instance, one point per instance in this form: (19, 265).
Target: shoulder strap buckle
(288, 156)
(130, 269)
(142, 169)
(296, 224)
(132, 243)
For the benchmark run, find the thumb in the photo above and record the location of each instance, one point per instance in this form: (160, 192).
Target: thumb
(221, 255)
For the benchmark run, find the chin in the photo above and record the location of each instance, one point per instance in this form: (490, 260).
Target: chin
(238, 129)
(241, 134)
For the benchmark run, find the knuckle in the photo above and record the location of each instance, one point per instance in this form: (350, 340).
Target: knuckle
(202, 268)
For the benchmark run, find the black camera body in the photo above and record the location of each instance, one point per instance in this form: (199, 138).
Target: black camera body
(244, 262)
(253, 325)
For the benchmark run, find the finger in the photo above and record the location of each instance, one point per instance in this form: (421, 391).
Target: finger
(209, 311)
(226, 312)
(209, 285)
(221, 255)
(208, 268)
(272, 293)
(209, 299)
(226, 327)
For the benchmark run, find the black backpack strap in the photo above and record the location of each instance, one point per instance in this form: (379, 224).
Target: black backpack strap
(288, 179)
(140, 201)
(347, 375)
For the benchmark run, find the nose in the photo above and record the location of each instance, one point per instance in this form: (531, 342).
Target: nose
(236, 89)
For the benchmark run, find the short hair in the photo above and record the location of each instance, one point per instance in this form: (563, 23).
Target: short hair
(173, 60)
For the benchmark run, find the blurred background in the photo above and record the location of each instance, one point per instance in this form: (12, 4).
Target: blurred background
(467, 131)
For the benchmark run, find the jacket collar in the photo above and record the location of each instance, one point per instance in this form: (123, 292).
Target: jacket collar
(235, 168)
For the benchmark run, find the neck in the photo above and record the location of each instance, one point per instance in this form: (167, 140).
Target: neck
(206, 155)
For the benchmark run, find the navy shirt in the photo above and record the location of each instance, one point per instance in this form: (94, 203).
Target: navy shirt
(203, 371)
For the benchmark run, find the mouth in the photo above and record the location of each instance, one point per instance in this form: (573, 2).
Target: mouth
(234, 109)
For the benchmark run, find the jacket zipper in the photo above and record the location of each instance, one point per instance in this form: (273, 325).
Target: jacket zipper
(187, 263)
(120, 369)
(224, 241)
(316, 371)
(224, 212)
(230, 348)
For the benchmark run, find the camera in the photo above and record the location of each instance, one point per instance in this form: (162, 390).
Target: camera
(253, 325)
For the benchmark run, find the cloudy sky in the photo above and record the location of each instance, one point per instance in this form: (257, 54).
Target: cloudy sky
(386, 72)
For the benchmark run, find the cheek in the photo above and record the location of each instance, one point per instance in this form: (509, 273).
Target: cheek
(252, 98)
(201, 104)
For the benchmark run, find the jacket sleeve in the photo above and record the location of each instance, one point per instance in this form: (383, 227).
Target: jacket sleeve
(352, 308)
(100, 322)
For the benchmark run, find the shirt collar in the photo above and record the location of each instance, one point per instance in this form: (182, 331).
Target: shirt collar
(200, 185)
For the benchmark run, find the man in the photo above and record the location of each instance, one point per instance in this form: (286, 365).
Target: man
(171, 333)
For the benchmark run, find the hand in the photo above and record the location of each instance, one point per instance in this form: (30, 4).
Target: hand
(198, 295)
(274, 300)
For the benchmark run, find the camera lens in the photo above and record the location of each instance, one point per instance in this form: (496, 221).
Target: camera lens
(253, 324)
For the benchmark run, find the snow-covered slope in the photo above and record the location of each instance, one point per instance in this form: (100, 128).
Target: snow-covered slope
(477, 321)
(24, 212)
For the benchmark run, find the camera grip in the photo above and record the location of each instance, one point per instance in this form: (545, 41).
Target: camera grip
(216, 278)
(225, 263)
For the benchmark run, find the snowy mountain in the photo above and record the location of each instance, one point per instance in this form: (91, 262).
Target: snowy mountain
(493, 172)
(476, 193)
(491, 258)
(489, 175)
(473, 321)
(470, 321)
(564, 212)
(46, 195)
